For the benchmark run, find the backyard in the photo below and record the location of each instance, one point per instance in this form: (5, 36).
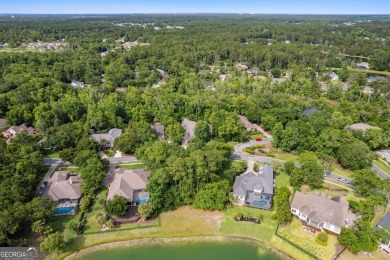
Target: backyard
(296, 234)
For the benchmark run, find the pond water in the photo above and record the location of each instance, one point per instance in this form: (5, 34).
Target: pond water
(185, 251)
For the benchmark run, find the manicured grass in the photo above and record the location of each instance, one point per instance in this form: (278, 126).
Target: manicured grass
(338, 169)
(109, 153)
(131, 166)
(382, 165)
(190, 222)
(232, 143)
(296, 234)
(377, 255)
(282, 179)
(287, 157)
(51, 154)
(70, 169)
(262, 232)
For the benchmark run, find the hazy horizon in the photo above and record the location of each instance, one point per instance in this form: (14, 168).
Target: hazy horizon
(288, 7)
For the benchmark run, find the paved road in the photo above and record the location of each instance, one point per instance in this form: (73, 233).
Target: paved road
(46, 177)
(110, 175)
(335, 177)
(379, 172)
(50, 161)
(122, 159)
(238, 154)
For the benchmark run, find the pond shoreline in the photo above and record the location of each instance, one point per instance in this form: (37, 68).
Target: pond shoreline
(161, 241)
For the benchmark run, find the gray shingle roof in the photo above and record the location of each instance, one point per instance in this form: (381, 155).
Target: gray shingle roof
(385, 221)
(109, 137)
(322, 209)
(189, 127)
(158, 129)
(263, 181)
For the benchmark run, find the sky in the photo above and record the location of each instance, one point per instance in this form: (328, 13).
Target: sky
(190, 6)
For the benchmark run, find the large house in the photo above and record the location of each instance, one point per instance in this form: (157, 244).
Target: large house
(63, 187)
(108, 138)
(384, 223)
(130, 184)
(189, 130)
(15, 130)
(255, 189)
(322, 212)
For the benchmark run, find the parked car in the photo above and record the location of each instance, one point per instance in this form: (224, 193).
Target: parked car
(342, 180)
(259, 139)
(43, 185)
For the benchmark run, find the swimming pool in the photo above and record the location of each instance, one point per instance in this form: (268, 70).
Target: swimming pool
(259, 203)
(64, 211)
(143, 199)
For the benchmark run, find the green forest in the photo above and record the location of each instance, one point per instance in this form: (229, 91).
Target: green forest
(138, 70)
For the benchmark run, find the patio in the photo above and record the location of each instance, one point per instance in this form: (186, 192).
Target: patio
(256, 200)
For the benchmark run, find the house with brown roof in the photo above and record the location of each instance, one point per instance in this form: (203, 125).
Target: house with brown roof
(130, 184)
(247, 124)
(108, 138)
(63, 187)
(15, 130)
(322, 212)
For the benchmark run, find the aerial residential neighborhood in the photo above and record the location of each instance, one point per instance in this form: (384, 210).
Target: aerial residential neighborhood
(207, 130)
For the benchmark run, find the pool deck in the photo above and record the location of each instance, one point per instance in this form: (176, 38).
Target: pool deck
(250, 199)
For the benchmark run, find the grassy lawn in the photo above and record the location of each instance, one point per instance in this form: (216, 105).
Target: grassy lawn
(377, 255)
(131, 166)
(379, 215)
(232, 144)
(262, 232)
(296, 234)
(109, 153)
(190, 222)
(282, 179)
(51, 154)
(70, 169)
(286, 157)
(382, 165)
(338, 169)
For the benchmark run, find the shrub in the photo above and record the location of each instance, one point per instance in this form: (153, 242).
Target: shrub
(117, 206)
(259, 218)
(238, 215)
(274, 216)
(322, 239)
(110, 223)
(101, 218)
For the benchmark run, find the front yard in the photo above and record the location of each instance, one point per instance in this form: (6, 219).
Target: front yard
(131, 165)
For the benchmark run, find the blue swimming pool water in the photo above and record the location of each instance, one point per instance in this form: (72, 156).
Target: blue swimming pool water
(64, 210)
(143, 199)
(259, 203)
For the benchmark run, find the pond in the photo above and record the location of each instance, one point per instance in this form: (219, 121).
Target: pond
(185, 251)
